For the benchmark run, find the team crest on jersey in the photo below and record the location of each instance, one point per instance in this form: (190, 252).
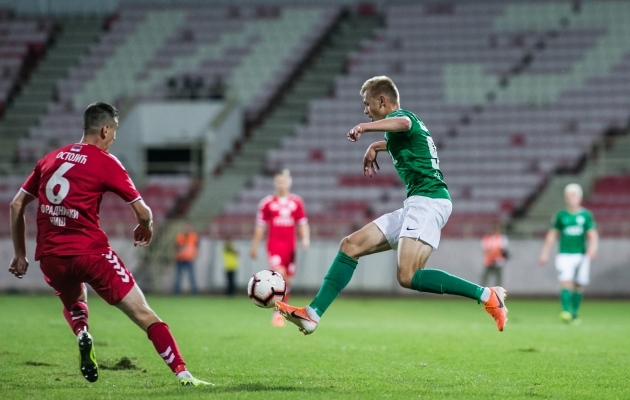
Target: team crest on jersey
(580, 220)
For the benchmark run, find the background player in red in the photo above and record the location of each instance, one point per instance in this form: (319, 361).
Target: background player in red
(281, 212)
(72, 249)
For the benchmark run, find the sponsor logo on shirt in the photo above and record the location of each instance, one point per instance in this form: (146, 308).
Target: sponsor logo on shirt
(573, 230)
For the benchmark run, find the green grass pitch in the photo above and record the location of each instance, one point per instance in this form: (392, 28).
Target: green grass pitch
(423, 347)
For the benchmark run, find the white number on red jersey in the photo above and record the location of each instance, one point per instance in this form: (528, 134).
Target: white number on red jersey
(58, 179)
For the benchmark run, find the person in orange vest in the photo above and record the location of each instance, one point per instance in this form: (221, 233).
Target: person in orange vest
(495, 249)
(186, 244)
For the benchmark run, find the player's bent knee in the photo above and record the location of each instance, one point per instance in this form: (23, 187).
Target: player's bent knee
(404, 278)
(349, 247)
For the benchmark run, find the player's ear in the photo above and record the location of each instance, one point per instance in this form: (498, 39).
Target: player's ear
(103, 131)
(381, 100)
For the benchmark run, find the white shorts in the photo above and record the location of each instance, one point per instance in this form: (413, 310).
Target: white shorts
(421, 218)
(573, 267)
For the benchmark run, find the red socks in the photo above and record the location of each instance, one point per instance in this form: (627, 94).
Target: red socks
(77, 316)
(166, 346)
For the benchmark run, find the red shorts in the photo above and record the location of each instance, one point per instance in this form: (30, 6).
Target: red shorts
(282, 258)
(106, 273)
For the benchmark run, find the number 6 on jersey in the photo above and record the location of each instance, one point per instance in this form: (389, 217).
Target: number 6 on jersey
(58, 179)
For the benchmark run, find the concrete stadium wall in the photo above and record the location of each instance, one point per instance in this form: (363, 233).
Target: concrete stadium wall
(175, 123)
(610, 272)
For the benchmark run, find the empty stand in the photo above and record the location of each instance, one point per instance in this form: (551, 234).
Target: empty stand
(19, 40)
(609, 204)
(144, 48)
(510, 92)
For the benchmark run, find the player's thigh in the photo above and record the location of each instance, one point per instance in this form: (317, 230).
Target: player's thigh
(424, 218)
(107, 275)
(567, 266)
(583, 274)
(282, 261)
(412, 256)
(370, 239)
(59, 275)
(135, 306)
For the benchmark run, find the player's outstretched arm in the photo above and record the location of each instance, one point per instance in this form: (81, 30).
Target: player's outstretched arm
(550, 239)
(370, 165)
(593, 243)
(143, 233)
(305, 235)
(396, 124)
(19, 263)
(259, 232)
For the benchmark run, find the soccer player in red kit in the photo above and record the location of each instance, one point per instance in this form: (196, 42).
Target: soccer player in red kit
(72, 249)
(281, 212)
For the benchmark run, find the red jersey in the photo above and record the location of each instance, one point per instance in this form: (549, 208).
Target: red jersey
(69, 183)
(281, 215)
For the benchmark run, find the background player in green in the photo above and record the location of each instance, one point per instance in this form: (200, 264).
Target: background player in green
(414, 230)
(575, 227)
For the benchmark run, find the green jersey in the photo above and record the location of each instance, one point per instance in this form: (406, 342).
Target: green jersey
(573, 228)
(415, 158)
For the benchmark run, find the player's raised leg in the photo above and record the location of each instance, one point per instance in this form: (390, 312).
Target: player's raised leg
(413, 255)
(367, 240)
(135, 306)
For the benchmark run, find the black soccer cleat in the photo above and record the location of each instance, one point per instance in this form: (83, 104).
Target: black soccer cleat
(87, 358)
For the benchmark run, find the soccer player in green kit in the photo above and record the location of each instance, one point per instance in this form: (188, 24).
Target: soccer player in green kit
(575, 227)
(414, 230)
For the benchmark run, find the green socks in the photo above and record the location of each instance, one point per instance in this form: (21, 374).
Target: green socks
(336, 279)
(565, 299)
(440, 282)
(576, 299)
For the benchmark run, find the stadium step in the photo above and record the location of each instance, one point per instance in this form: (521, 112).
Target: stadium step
(73, 40)
(315, 81)
(613, 161)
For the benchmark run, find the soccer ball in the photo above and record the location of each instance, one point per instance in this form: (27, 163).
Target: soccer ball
(266, 287)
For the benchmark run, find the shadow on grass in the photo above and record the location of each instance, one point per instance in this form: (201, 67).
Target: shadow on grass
(528, 350)
(38, 364)
(259, 387)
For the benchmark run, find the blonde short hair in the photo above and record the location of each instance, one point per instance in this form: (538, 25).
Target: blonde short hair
(284, 172)
(381, 85)
(573, 188)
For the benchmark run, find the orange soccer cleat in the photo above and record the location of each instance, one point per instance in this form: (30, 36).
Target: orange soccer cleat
(495, 306)
(299, 316)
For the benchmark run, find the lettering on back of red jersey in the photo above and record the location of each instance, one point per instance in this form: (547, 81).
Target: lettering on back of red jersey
(72, 157)
(58, 214)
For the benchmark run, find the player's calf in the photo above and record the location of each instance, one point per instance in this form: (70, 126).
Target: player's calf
(77, 317)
